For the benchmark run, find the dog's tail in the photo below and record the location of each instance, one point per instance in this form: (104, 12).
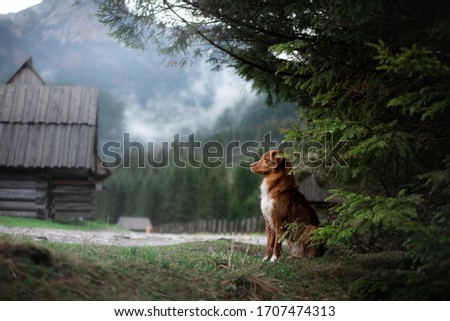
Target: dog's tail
(321, 249)
(316, 250)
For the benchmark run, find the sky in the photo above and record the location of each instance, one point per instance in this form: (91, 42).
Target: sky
(7, 6)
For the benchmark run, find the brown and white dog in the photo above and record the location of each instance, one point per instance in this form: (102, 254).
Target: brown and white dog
(281, 204)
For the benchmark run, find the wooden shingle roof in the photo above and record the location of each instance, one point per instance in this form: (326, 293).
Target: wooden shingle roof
(48, 126)
(26, 104)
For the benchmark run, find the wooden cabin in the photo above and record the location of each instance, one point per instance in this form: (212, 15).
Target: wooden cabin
(312, 191)
(138, 224)
(49, 166)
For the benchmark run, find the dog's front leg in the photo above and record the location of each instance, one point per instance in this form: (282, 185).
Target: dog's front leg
(270, 232)
(277, 245)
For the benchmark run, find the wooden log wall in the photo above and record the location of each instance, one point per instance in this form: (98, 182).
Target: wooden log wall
(245, 226)
(72, 200)
(38, 195)
(23, 194)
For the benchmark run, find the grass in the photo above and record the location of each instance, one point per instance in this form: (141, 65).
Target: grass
(219, 270)
(11, 221)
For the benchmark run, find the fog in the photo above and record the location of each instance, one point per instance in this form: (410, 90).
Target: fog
(70, 47)
(193, 107)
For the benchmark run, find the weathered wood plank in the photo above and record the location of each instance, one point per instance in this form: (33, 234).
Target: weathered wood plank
(40, 142)
(72, 183)
(47, 146)
(86, 198)
(84, 101)
(64, 144)
(90, 157)
(44, 94)
(25, 184)
(11, 150)
(20, 194)
(19, 213)
(2, 96)
(17, 206)
(7, 144)
(18, 105)
(76, 207)
(86, 115)
(5, 112)
(86, 190)
(5, 141)
(83, 145)
(75, 185)
(31, 104)
(63, 116)
(21, 141)
(56, 160)
(59, 215)
(75, 105)
(31, 147)
(54, 104)
(93, 107)
(2, 126)
(73, 151)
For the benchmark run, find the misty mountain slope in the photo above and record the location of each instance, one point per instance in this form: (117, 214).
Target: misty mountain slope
(69, 46)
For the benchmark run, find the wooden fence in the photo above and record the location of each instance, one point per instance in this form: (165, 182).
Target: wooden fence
(244, 226)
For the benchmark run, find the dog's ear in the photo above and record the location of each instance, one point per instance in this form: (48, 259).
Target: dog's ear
(280, 161)
(273, 160)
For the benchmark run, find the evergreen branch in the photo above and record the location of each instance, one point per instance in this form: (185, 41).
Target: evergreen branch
(220, 47)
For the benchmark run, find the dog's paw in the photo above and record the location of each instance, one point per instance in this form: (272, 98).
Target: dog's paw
(273, 259)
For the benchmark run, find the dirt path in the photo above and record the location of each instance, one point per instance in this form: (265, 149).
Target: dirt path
(122, 238)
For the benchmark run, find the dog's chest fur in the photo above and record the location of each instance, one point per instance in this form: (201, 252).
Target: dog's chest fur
(266, 203)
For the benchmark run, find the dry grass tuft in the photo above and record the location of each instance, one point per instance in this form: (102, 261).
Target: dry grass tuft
(252, 287)
(37, 255)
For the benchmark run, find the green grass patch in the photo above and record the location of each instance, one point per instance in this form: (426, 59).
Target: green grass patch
(219, 270)
(11, 221)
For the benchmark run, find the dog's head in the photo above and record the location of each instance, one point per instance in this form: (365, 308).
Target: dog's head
(270, 162)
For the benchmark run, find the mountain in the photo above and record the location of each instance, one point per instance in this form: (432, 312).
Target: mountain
(69, 46)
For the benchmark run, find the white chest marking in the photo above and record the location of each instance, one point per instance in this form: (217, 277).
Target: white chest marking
(266, 203)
